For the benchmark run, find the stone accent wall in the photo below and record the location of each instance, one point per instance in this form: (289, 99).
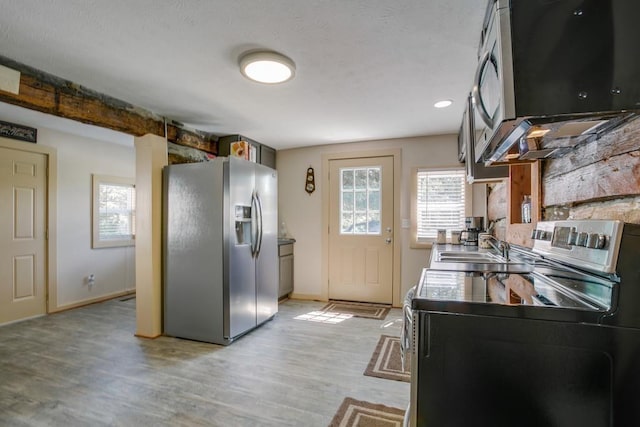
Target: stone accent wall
(599, 179)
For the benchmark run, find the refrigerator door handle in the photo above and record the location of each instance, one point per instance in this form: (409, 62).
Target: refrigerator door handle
(254, 225)
(259, 243)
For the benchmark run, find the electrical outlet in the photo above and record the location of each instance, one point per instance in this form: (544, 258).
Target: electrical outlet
(91, 280)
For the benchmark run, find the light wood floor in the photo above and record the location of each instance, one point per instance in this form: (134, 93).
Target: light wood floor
(84, 367)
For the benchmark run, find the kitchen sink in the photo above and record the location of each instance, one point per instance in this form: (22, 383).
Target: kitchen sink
(459, 256)
(479, 261)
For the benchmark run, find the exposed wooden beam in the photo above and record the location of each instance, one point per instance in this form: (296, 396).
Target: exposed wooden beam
(193, 139)
(49, 94)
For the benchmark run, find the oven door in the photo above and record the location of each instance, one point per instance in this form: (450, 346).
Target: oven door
(493, 90)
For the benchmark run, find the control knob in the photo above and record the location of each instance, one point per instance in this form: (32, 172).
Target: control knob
(596, 241)
(582, 239)
(537, 234)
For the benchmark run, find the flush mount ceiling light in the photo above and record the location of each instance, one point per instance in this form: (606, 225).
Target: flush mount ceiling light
(267, 67)
(443, 104)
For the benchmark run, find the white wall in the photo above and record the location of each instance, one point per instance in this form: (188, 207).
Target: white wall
(302, 213)
(114, 268)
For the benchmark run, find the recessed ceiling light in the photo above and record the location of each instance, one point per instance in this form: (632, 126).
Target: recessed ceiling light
(267, 67)
(443, 104)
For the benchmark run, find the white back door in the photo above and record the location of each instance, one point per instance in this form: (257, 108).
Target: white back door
(361, 229)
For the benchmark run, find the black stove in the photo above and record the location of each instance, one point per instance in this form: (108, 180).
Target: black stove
(566, 282)
(555, 344)
(548, 295)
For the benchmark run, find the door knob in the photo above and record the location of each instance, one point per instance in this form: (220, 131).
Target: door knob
(387, 240)
(388, 229)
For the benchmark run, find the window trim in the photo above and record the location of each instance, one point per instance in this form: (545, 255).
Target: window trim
(96, 242)
(468, 198)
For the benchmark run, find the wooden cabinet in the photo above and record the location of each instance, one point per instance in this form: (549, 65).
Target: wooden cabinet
(524, 180)
(285, 252)
(241, 146)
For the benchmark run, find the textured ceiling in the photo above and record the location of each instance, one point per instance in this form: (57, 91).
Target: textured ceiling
(366, 69)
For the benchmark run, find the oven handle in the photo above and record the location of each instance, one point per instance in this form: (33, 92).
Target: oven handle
(475, 93)
(406, 421)
(406, 334)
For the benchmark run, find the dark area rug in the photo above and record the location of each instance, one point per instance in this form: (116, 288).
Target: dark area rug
(358, 309)
(357, 413)
(386, 361)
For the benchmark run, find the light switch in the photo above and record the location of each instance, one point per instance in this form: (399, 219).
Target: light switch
(405, 223)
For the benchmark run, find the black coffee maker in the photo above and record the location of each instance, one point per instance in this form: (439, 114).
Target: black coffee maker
(474, 225)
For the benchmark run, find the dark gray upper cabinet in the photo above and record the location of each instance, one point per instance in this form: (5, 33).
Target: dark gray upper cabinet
(247, 148)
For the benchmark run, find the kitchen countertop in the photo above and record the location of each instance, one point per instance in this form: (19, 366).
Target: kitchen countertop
(515, 264)
(285, 240)
(477, 288)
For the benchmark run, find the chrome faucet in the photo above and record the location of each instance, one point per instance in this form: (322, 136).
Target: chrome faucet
(501, 246)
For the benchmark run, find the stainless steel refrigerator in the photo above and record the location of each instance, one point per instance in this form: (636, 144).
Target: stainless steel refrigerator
(220, 249)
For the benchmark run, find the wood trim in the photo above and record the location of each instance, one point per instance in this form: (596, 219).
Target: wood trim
(94, 300)
(147, 337)
(524, 179)
(307, 297)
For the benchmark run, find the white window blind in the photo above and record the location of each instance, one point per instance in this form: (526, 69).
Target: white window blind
(113, 211)
(117, 208)
(440, 202)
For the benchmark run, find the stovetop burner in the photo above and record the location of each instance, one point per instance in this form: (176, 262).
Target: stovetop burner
(531, 295)
(577, 279)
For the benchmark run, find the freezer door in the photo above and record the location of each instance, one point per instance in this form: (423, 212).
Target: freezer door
(193, 251)
(240, 275)
(267, 273)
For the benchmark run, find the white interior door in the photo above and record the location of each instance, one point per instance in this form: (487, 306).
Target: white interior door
(22, 234)
(361, 229)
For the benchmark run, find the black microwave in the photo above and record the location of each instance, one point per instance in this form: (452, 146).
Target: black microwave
(554, 70)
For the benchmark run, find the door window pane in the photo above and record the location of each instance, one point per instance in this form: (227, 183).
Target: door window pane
(347, 201)
(361, 179)
(347, 223)
(360, 226)
(361, 200)
(374, 200)
(374, 178)
(347, 179)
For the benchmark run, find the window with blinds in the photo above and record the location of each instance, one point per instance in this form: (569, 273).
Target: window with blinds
(440, 202)
(113, 211)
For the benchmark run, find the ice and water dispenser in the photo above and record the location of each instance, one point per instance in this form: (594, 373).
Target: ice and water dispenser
(243, 224)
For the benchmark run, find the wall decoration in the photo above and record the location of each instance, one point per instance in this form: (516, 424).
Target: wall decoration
(14, 131)
(310, 181)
